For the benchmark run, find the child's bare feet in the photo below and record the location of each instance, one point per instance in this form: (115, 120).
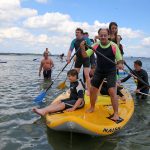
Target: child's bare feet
(38, 111)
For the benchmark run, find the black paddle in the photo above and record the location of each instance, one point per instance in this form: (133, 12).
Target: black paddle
(125, 65)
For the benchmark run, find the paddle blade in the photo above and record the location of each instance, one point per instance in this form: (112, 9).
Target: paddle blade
(62, 85)
(40, 97)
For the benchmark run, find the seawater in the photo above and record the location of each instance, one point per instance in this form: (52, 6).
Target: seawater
(20, 129)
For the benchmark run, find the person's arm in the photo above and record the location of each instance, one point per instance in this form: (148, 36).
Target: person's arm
(93, 61)
(70, 51)
(76, 105)
(126, 78)
(118, 40)
(89, 51)
(40, 69)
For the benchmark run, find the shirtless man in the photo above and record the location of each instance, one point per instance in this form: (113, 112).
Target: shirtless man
(46, 65)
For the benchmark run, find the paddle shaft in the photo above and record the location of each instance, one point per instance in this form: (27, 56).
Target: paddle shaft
(132, 72)
(99, 53)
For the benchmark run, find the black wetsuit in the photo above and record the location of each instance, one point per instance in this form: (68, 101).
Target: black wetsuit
(76, 92)
(105, 68)
(142, 87)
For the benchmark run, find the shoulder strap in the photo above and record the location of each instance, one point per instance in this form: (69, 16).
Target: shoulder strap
(82, 83)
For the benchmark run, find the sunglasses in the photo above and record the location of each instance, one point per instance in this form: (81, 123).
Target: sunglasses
(103, 35)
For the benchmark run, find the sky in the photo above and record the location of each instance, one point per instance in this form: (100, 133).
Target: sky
(29, 26)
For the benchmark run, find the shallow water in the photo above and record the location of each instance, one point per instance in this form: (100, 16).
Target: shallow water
(20, 129)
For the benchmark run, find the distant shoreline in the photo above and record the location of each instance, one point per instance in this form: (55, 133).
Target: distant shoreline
(26, 54)
(34, 54)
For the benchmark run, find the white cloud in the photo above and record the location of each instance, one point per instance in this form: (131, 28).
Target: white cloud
(41, 1)
(11, 10)
(53, 30)
(130, 33)
(22, 36)
(63, 23)
(146, 41)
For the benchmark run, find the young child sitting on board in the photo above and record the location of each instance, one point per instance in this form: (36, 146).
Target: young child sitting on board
(75, 100)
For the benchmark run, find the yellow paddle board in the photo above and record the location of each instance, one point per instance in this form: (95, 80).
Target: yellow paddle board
(96, 123)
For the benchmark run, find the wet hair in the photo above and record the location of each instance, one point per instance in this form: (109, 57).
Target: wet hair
(79, 29)
(86, 33)
(103, 29)
(138, 62)
(111, 24)
(72, 72)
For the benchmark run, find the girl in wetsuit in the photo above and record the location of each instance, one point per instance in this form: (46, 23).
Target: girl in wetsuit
(113, 35)
(75, 100)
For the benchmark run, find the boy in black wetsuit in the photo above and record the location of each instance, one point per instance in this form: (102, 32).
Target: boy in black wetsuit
(75, 100)
(144, 76)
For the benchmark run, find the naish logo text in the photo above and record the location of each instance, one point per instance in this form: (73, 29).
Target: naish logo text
(108, 130)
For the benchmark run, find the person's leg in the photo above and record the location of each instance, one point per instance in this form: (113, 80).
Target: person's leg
(87, 77)
(96, 81)
(57, 106)
(114, 101)
(78, 64)
(86, 68)
(45, 74)
(49, 74)
(93, 97)
(111, 83)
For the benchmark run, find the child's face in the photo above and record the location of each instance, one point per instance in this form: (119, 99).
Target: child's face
(72, 78)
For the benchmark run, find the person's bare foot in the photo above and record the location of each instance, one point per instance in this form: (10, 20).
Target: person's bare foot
(115, 117)
(90, 110)
(38, 111)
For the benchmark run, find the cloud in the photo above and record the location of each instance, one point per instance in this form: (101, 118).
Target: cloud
(129, 33)
(62, 23)
(31, 32)
(41, 1)
(11, 10)
(146, 41)
(20, 36)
